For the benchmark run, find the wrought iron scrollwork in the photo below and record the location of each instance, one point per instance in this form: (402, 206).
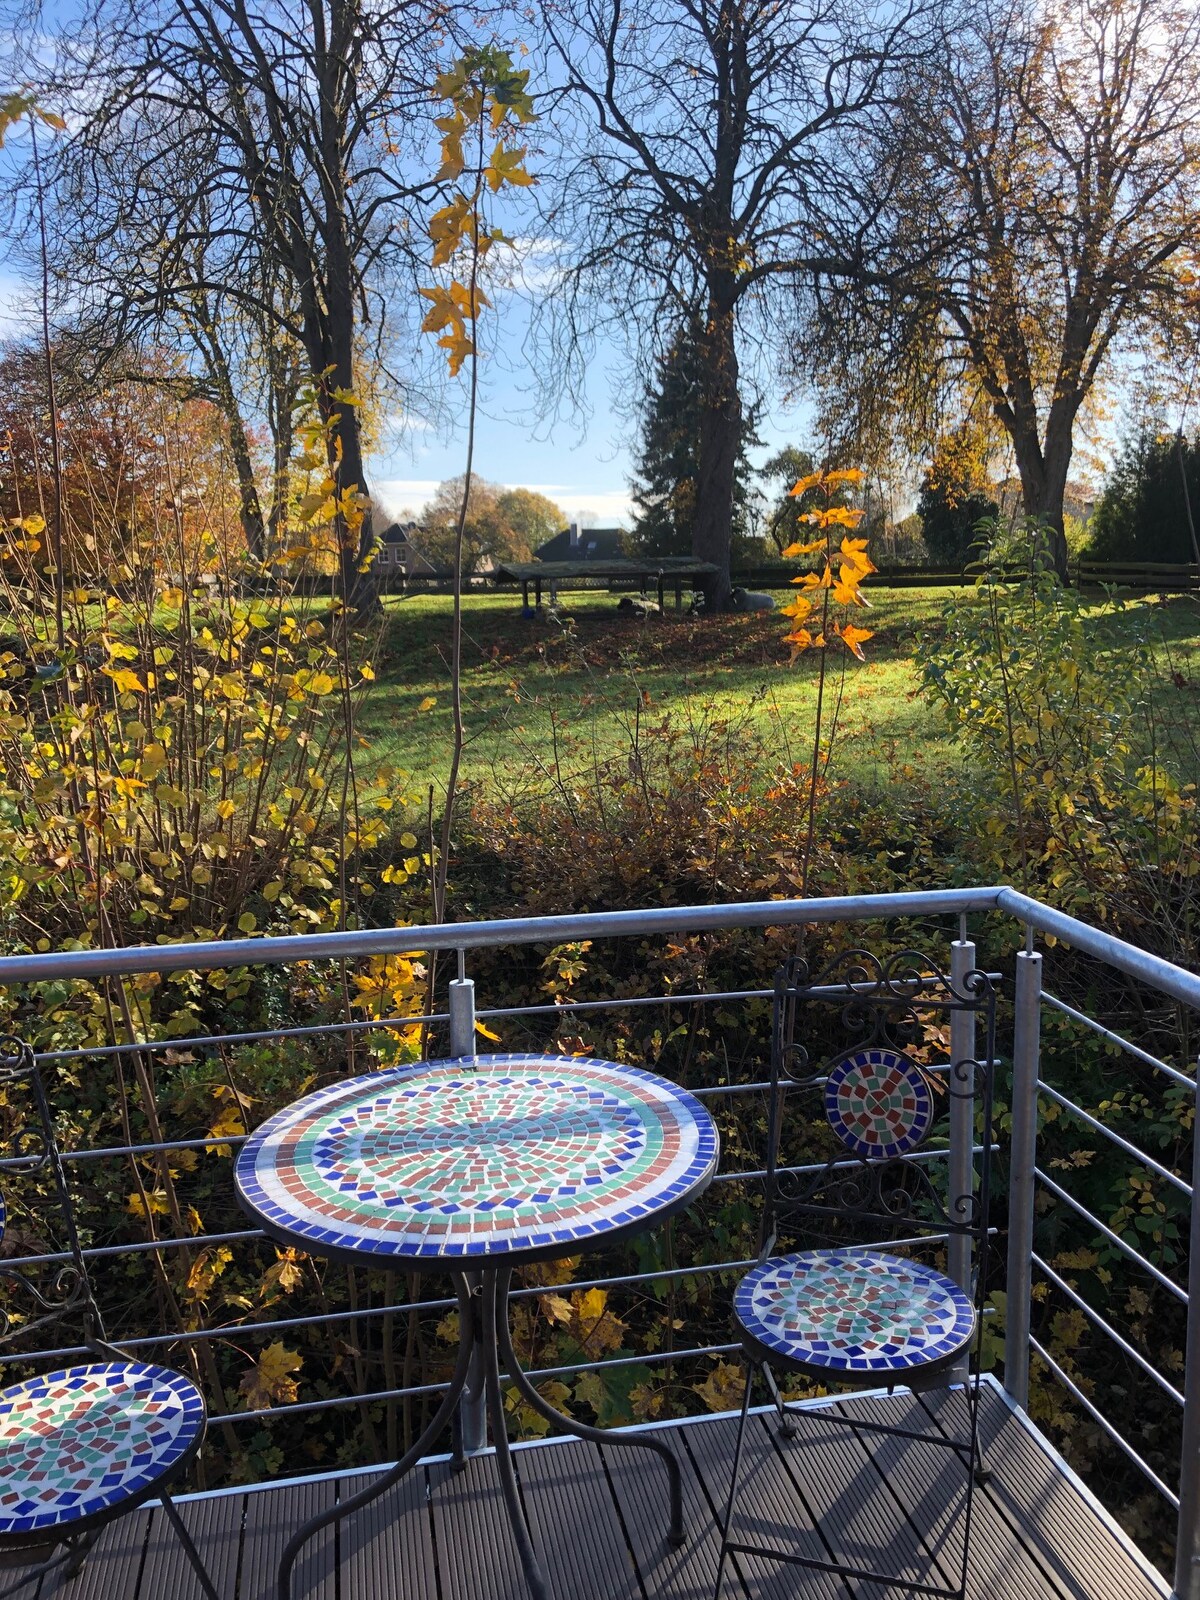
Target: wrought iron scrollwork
(35, 1293)
(885, 1003)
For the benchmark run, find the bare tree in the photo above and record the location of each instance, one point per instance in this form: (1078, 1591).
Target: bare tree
(293, 210)
(1038, 189)
(702, 171)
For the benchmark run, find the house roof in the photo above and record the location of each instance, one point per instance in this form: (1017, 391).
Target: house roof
(595, 544)
(398, 532)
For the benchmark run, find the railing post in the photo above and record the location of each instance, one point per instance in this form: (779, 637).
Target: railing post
(1026, 1050)
(472, 1408)
(1187, 1539)
(462, 1016)
(962, 1119)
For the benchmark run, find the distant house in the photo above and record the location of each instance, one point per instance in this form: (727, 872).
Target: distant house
(584, 544)
(399, 555)
(395, 551)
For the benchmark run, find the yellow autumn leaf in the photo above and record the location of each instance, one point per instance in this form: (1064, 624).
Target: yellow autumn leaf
(556, 1307)
(723, 1388)
(126, 682)
(155, 1201)
(428, 703)
(458, 348)
(805, 484)
(154, 759)
(854, 638)
(839, 517)
(486, 1032)
(846, 590)
(855, 552)
(794, 550)
(269, 1382)
(506, 167)
(844, 475)
(320, 683)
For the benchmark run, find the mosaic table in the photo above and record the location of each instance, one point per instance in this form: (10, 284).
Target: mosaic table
(473, 1166)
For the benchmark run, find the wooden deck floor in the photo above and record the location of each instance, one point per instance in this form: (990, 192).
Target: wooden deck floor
(598, 1514)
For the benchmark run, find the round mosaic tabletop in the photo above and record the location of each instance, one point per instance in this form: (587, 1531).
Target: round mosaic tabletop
(78, 1442)
(854, 1311)
(512, 1156)
(878, 1102)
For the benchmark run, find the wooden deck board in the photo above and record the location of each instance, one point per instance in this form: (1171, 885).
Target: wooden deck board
(216, 1529)
(271, 1520)
(684, 1573)
(1079, 1553)
(475, 1550)
(386, 1549)
(575, 1522)
(767, 1500)
(598, 1516)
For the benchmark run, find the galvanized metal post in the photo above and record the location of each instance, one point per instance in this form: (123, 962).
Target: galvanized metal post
(472, 1408)
(1026, 1049)
(462, 1016)
(962, 1117)
(1187, 1538)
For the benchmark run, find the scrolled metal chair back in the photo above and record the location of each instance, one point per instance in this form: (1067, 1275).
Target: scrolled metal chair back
(872, 1102)
(33, 1187)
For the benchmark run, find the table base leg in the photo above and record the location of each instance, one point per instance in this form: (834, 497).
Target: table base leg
(447, 1409)
(534, 1577)
(605, 1436)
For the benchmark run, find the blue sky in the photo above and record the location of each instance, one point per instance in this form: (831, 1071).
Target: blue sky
(584, 468)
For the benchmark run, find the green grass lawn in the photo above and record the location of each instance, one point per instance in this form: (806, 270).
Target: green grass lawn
(578, 682)
(575, 685)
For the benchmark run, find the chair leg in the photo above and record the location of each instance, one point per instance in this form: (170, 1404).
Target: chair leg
(189, 1549)
(733, 1480)
(70, 1557)
(787, 1428)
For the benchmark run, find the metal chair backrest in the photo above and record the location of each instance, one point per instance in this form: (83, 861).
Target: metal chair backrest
(52, 1284)
(856, 1173)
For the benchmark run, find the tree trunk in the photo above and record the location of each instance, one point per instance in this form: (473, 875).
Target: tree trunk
(720, 436)
(285, 371)
(1044, 485)
(249, 504)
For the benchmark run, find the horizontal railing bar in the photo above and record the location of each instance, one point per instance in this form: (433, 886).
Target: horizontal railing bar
(536, 1375)
(1102, 1421)
(1114, 1238)
(201, 1041)
(719, 995)
(240, 1329)
(135, 1247)
(102, 1152)
(271, 1325)
(1165, 1173)
(1107, 1328)
(1140, 964)
(199, 1240)
(352, 943)
(1118, 1039)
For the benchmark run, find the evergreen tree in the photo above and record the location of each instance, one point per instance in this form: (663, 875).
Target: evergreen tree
(1143, 512)
(955, 496)
(664, 488)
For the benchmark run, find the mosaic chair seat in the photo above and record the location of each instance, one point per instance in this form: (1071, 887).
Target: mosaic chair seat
(85, 1443)
(851, 1178)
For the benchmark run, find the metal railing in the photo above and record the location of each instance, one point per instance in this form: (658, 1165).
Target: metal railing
(1030, 1185)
